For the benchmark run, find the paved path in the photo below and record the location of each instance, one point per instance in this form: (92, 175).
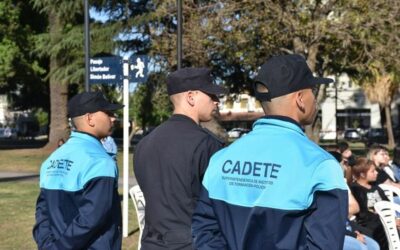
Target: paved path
(16, 176)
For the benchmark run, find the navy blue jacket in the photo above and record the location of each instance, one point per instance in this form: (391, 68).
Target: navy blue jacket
(78, 206)
(272, 189)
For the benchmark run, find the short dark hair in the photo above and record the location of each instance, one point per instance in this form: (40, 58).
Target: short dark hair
(342, 146)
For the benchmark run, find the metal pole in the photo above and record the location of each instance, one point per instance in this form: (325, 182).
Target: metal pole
(179, 34)
(87, 45)
(336, 116)
(125, 199)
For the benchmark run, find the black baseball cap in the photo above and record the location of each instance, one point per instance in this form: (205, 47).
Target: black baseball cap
(90, 102)
(186, 79)
(285, 74)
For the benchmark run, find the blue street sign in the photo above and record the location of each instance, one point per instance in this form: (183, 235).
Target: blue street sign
(105, 70)
(138, 68)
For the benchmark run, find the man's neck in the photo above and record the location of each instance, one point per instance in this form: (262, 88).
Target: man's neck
(188, 114)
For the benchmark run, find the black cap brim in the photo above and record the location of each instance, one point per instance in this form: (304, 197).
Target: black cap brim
(112, 107)
(214, 90)
(320, 80)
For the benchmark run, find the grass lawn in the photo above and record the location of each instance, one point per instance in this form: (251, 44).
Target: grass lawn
(17, 217)
(30, 160)
(18, 199)
(22, 160)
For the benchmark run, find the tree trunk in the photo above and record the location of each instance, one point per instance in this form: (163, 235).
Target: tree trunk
(389, 127)
(133, 132)
(58, 93)
(312, 130)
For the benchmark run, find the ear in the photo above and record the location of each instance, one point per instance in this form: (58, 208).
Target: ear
(190, 97)
(89, 119)
(299, 97)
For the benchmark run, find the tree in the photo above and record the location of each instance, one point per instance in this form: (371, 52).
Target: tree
(381, 90)
(373, 56)
(150, 104)
(20, 70)
(232, 37)
(62, 45)
(62, 16)
(235, 37)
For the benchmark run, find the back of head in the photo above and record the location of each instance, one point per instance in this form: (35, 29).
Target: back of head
(285, 74)
(342, 146)
(336, 155)
(280, 76)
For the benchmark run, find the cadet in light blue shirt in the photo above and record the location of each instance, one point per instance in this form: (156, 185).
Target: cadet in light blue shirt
(78, 206)
(274, 188)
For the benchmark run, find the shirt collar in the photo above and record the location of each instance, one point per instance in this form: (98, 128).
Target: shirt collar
(180, 117)
(278, 120)
(84, 135)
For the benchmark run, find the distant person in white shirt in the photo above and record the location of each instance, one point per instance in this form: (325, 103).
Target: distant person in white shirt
(110, 146)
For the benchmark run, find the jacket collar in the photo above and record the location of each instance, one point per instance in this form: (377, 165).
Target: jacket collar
(281, 121)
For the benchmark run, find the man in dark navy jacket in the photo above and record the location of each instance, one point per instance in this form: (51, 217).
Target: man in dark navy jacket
(169, 163)
(78, 206)
(274, 188)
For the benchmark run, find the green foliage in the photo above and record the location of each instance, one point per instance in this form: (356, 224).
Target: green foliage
(232, 37)
(9, 52)
(41, 116)
(150, 105)
(20, 70)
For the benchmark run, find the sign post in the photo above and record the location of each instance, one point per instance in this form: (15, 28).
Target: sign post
(125, 150)
(112, 71)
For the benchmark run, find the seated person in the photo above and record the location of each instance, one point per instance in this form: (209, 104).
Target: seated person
(356, 235)
(379, 155)
(395, 164)
(367, 194)
(345, 157)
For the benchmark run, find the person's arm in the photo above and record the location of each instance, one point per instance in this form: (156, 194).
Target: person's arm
(94, 211)
(41, 231)
(201, 158)
(205, 229)
(391, 183)
(208, 147)
(326, 225)
(353, 205)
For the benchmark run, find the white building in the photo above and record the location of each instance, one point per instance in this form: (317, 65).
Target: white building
(3, 109)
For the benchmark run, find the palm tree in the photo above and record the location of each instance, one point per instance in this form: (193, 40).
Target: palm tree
(381, 89)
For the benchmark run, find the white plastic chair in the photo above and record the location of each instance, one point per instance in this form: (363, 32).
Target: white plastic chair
(389, 191)
(139, 203)
(386, 211)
